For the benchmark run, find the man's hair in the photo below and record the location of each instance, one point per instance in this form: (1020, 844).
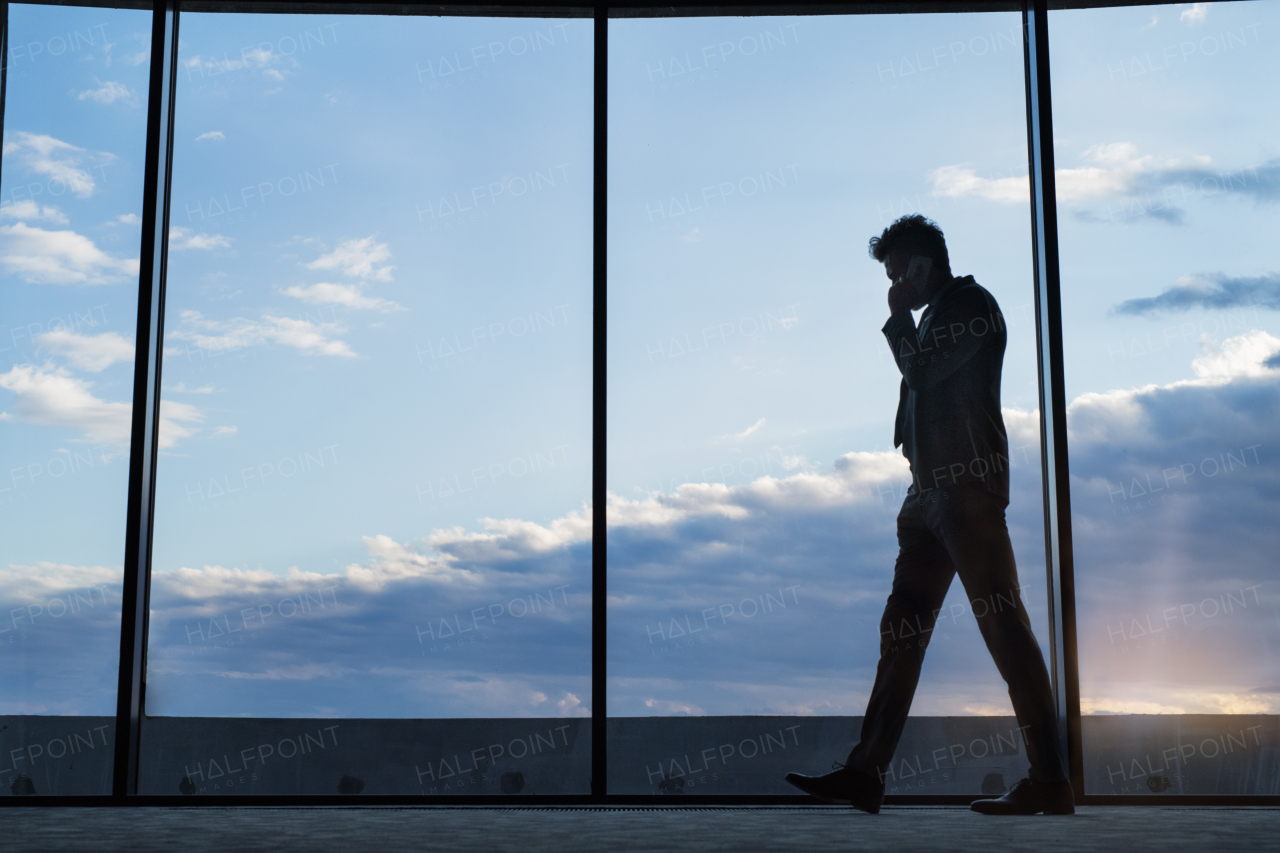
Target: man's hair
(912, 234)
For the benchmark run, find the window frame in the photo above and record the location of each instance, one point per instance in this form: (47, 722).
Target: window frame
(161, 102)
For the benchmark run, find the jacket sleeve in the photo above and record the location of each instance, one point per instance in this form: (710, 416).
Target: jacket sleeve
(955, 335)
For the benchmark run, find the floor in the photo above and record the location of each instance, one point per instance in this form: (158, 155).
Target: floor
(390, 830)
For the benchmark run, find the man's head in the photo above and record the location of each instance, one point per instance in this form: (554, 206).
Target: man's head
(914, 255)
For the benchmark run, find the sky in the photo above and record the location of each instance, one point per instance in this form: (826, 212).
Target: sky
(373, 491)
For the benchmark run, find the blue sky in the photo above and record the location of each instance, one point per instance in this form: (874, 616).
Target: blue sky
(374, 488)
(71, 201)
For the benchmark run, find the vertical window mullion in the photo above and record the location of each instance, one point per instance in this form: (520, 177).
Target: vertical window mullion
(4, 67)
(599, 735)
(143, 442)
(1053, 413)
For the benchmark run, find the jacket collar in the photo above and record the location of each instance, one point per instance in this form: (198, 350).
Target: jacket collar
(955, 283)
(941, 296)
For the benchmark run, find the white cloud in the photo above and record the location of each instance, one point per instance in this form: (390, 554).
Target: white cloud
(1241, 357)
(571, 705)
(1196, 14)
(48, 396)
(53, 397)
(855, 478)
(667, 708)
(257, 57)
(177, 421)
(59, 257)
(348, 295)
(57, 160)
(294, 672)
(184, 238)
(137, 58)
(213, 134)
(267, 61)
(1115, 169)
(94, 353)
(390, 561)
(129, 219)
(357, 258)
(957, 181)
(109, 93)
(197, 591)
(305, 335)
(508, 540)
(237, 333)
(225, 430)
(36, 584)
(746, 433)
(27, 209)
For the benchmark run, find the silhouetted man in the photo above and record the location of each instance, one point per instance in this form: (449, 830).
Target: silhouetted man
(952, 521)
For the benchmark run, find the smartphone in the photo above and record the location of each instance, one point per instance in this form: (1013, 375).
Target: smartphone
(918, 271)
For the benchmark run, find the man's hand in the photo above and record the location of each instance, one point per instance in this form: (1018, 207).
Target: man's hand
(908, 292)
(899, 298)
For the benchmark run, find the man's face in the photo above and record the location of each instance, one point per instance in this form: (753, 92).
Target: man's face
(911, 275)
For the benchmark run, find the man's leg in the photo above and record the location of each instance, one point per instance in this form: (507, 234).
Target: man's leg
(972, 525)
(921, 576)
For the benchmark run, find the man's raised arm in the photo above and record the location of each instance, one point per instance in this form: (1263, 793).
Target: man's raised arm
(954, 336)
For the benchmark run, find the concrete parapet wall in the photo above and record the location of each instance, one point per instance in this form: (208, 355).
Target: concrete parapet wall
(663, 756)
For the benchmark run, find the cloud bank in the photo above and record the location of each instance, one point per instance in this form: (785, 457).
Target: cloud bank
(758, 598)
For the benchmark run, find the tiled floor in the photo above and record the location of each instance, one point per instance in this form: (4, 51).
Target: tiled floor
(389, 830)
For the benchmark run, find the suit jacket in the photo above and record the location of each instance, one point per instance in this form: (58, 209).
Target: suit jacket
(949, 423)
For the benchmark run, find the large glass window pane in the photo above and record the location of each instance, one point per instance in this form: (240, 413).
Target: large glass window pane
(1166, 148)
(372, 548)
(753, 479)
(74, 135)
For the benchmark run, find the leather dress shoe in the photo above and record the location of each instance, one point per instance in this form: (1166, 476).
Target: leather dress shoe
(1031, 797)
(842, 786)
